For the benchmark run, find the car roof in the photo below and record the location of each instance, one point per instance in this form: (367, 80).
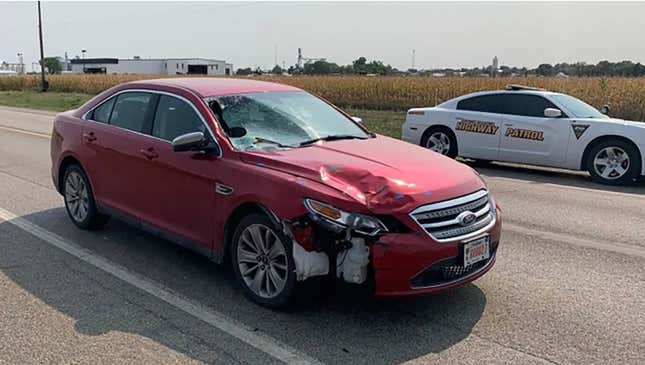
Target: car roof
(510, 92)
(452, 103)
(217, 86)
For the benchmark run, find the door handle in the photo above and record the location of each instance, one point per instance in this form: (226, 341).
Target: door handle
(150, 153)
(89, 137)
(508, 124)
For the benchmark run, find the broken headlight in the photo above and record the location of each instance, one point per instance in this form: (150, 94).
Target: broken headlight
(340, 219)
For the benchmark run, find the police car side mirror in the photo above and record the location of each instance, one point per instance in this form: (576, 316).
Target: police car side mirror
(605, 109)
(552, 113)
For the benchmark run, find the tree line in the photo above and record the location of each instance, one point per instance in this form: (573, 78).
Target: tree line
(361, 66)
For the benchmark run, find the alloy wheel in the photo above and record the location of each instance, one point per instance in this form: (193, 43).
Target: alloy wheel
(611, 163)
(439, 142)
(262, 261)
(76, 196)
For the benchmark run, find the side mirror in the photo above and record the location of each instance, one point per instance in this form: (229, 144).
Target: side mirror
(552, 113)
(605, 109)
(189, 142)
(357, 119)
(237, 132)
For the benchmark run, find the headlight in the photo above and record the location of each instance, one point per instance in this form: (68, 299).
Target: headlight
(363, 224)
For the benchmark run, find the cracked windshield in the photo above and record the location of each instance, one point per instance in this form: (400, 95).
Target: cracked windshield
(281, 119)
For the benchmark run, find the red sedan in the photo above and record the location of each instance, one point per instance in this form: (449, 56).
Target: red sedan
(276, 181)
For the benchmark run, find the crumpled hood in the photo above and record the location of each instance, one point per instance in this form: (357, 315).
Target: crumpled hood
(382, 173)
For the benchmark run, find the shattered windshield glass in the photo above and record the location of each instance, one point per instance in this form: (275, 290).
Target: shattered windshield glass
(281, 120)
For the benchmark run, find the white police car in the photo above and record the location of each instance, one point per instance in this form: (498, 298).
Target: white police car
(532, 126)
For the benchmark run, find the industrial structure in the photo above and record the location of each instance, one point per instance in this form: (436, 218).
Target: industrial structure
(10, 69)
(306, 59)
(158, 66)
(495, 67)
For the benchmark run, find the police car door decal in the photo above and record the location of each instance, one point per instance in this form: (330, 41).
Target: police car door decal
(476, 126)
(579, 129)
(525, 134)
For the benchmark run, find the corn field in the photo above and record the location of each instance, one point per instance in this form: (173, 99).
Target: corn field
(626, 96)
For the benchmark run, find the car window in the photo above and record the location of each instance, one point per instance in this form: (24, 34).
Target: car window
(577, 107)
(484, 103)
(526, 105)
(286, 117)
(102, 113)
(130, 109)
(175, 117)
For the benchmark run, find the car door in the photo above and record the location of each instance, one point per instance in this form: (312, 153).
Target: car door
(114, 162)
(476, 123)
(179, 186)
(530, 137)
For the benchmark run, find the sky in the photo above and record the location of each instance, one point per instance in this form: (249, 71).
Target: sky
(442, 34)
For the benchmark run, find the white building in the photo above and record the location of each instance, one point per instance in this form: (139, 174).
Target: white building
(156, 66)
(7, 73)
(12, 68)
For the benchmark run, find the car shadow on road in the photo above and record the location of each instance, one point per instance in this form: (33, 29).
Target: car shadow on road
(545, 175)
(336, 324)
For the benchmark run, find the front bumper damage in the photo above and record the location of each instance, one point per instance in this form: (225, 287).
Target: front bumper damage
(414, 264)
(393, 264)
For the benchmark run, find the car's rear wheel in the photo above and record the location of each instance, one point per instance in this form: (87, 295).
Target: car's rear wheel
(263, 262)
(79, 199)
(440, 140)
(614, 162)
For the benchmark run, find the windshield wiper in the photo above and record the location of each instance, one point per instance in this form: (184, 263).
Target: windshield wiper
(265, 140)
(331, 138)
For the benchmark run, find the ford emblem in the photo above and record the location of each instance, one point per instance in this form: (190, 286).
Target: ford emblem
(466, 218)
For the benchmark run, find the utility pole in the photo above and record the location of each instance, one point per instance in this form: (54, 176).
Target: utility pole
(44, 83)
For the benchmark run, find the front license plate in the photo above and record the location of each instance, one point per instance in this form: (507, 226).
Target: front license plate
(475, 251)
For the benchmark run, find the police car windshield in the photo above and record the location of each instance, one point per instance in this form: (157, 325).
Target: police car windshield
(578, 108)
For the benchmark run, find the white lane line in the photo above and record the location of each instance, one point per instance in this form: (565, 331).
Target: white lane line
(24, 131)
(260, 341)
(16, 109)
(617, 247)
(558, 186)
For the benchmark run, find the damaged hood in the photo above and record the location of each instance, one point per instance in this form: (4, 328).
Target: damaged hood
(382, 173)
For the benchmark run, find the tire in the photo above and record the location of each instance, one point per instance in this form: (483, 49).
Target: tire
(265, 279)
(440, 140)
(614, 162)
(79, 200)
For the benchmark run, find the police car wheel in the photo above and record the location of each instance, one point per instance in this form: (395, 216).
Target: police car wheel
(614, 162)
(440, 140)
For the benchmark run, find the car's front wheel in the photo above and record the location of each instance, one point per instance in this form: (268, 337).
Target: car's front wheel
(614, 162)
(79, 199)
(263, 262)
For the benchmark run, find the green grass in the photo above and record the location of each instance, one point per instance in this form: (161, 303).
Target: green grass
(46, 101)
(378, 121)
(384, 122)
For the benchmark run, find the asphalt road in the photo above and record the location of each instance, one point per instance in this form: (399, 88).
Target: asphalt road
(568, 286)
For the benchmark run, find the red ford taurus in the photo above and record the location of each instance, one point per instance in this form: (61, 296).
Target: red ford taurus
(277, 181)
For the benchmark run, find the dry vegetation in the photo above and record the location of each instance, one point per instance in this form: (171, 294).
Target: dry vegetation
(625, 95)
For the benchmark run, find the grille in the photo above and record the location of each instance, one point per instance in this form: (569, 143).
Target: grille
(442, 220)
(446, 272)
